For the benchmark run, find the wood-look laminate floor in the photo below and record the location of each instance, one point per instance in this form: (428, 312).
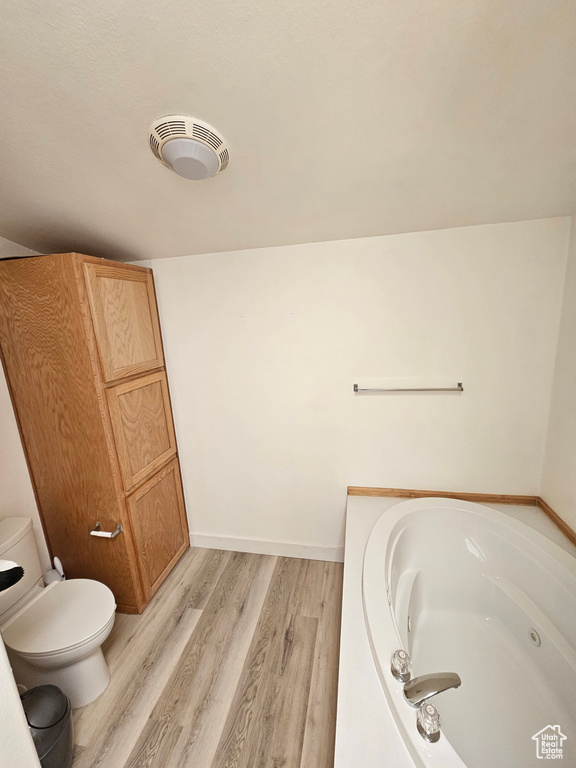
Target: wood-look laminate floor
(234, 664)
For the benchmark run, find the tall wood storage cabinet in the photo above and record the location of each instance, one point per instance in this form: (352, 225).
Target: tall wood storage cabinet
(82, 352)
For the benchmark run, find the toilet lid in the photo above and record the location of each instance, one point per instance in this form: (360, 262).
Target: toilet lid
(64, 614)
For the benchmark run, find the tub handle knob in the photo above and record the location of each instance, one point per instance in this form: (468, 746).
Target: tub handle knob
(400, 665)
(428, 722)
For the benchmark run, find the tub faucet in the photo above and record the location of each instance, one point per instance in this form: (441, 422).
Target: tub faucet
(424, 687)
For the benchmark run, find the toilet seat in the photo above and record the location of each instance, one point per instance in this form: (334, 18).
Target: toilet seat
(37, 659)
(65, 615)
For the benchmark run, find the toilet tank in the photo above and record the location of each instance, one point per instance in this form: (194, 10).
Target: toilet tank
(17, 543)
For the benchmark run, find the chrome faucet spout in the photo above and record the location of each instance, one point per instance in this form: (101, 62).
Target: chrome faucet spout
(424, 687)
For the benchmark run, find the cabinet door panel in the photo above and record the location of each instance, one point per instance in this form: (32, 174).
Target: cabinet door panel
(125, 320)
(159, 525)
(142, 424)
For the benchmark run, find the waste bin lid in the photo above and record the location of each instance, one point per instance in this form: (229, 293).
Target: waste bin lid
(44, 706)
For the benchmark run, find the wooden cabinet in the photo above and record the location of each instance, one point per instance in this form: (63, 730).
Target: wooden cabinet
(82, 351)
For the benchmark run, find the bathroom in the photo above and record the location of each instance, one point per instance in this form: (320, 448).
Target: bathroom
(431, 266)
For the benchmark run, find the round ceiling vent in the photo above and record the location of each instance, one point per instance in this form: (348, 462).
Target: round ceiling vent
(190, 147)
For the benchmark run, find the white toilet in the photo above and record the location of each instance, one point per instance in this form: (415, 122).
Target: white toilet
(53, 634)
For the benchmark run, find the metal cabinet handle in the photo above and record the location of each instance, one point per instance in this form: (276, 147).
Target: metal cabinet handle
(97, 531)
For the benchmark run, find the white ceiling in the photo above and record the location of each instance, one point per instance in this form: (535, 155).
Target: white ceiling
(344, 119)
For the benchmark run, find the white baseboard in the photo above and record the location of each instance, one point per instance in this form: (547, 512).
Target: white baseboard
(260, 547)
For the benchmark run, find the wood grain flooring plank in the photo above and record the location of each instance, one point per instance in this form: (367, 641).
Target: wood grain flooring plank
(197, 574)
(201, 689)
(148, 648)
(279, 732)
(199, 577)
(78, 750)
(132, 637)
(244, 735)
(320, 731)
(155, 745)
(219, 618)
(311, 598)
(129, 702)
(233, 665)
(189, 586)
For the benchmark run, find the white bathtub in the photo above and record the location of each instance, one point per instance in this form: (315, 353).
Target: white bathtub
(478, 589)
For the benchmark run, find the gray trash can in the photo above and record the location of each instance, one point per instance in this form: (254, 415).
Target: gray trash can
(48, 713)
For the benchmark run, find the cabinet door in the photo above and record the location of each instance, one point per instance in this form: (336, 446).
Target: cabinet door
(142, 424)
(125, 320)
(159, 526)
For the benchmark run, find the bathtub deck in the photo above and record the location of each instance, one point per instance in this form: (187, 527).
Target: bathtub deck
(234, 663)
(366, 733)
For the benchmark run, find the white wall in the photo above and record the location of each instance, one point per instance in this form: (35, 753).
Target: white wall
(263, 347)
(16, 496)
(16, 746)
(559, 476)
(8, 249)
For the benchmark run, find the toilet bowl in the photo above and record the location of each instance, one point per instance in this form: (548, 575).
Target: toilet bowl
(54, 634)
(56, 638)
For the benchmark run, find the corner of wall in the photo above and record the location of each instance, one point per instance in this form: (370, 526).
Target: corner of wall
(9, 249)
(17, 493)
(559, 462)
